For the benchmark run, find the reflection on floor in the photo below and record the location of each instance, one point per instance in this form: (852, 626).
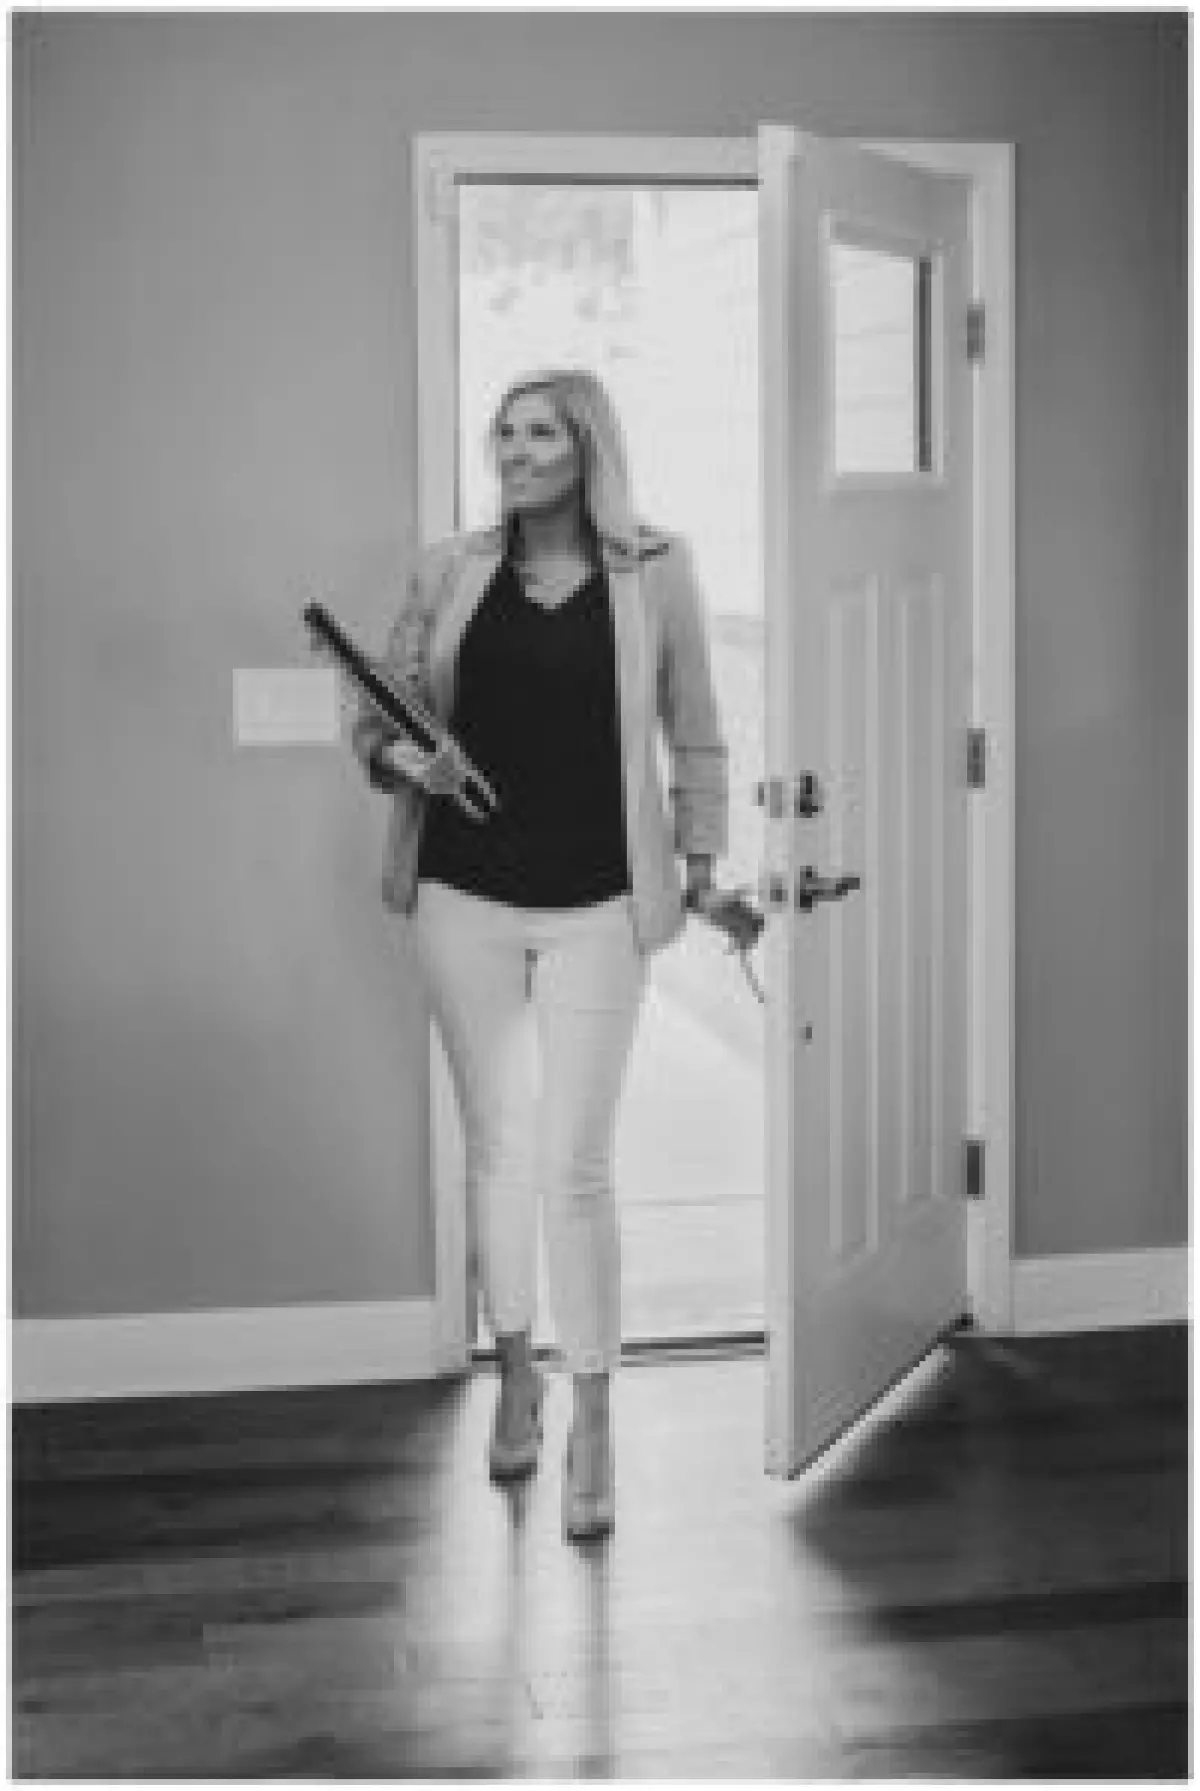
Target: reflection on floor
(988, 1579)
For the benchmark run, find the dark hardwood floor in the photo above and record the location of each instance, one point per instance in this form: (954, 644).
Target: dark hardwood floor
(989, 1578)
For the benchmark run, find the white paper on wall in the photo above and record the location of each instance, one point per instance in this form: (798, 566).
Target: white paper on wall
(285, 707)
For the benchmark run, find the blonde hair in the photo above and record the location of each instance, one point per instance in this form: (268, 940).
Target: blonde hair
(583, 403)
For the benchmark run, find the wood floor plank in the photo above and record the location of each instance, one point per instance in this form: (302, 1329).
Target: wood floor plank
(990, 1579)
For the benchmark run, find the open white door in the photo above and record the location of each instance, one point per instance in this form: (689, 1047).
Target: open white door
(867, 482)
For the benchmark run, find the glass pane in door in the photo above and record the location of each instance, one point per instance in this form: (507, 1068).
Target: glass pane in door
(655, 288)
(882, 365)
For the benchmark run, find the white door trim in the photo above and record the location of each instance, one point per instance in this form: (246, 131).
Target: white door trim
(438, 159)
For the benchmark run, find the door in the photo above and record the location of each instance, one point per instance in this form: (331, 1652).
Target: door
(867, 493)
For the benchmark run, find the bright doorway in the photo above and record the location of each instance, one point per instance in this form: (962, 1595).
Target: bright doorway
(654, 286)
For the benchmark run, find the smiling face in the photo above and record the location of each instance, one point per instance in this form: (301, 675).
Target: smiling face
(539, 460)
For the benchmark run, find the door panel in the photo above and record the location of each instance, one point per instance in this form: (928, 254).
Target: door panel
(866, 406)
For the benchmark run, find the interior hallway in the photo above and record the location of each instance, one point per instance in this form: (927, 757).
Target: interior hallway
(989, 1578)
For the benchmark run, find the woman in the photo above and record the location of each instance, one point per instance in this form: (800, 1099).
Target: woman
(554, 645)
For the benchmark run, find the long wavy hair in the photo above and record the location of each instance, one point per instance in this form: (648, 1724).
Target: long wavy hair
(583, 403)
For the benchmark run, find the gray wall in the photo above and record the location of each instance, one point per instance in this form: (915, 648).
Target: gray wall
(219, 1071)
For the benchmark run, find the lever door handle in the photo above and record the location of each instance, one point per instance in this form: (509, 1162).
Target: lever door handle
(811, 889)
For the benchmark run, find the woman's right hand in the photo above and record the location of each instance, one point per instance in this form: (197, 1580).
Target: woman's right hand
(401, 760)
(440, 775)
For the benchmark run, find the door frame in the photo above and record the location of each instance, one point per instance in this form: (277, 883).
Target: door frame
(438, 161)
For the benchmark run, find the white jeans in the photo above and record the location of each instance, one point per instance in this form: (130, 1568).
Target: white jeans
(537, 1010)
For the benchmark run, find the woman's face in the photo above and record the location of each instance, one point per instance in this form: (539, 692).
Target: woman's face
(539, 459)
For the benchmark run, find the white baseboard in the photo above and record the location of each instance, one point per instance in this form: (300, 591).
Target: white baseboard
(1099, 1293)
(135, 1355)
(139, 1355)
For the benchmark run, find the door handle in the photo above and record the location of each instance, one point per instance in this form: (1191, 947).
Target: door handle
(811, 889)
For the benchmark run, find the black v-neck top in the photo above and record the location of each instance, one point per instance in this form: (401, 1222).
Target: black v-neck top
(536, 709)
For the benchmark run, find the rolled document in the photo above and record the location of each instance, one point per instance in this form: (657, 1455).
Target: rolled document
(401, 709)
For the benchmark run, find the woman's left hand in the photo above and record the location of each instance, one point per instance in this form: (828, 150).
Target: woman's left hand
(729, 910)
(732, 911)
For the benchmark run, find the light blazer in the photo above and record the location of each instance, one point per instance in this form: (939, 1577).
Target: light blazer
(663, 678)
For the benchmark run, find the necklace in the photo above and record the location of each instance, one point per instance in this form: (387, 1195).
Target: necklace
(551, 588)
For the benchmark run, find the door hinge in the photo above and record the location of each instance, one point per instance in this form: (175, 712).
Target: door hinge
(976, 332)
(976, 758)
(973, 1169)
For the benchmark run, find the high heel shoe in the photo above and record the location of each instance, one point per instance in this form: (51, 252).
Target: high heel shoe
(587, 1512)
(508, 1460)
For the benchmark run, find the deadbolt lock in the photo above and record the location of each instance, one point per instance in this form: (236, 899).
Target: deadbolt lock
(771, 794)
(808, 796)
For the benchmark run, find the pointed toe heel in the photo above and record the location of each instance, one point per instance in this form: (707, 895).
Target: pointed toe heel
(512, 1461)
(588, 1513)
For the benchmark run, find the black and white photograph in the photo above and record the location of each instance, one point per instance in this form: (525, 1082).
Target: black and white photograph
(600, 954)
